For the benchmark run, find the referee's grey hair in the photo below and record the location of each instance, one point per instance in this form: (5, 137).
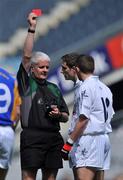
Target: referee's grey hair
(39, 56)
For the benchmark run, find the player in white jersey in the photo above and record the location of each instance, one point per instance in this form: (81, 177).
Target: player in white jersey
(93, 107)
(69, 72)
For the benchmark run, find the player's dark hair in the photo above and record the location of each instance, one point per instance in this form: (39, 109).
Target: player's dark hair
(70, 59)
(85, 63)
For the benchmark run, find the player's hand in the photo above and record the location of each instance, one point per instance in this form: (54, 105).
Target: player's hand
(66, 149)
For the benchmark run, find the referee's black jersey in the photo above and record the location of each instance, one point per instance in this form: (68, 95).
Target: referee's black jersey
(37, 96)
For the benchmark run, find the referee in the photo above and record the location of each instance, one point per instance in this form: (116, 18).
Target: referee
(43, 108)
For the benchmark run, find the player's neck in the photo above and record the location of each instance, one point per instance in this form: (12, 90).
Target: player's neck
(85, 76)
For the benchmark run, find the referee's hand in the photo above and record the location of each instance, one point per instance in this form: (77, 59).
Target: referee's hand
(32, 20)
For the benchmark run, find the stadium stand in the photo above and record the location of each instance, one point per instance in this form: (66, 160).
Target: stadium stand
(88, 18)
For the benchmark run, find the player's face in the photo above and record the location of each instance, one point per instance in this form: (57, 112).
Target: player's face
(41, 69)
(69, 73)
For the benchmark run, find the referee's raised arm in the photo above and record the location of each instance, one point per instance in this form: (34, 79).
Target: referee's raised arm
(29, 41)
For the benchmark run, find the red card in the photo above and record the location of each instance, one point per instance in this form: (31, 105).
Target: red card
(38, 12)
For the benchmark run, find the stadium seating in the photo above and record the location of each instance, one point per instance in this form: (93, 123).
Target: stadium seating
(13, 13)
(90, 18)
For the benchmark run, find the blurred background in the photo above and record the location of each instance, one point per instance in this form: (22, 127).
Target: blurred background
(85, 26)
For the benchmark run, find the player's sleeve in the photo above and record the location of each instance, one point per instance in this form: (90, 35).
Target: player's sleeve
(16, 106)
(111, 111)
(85, 101)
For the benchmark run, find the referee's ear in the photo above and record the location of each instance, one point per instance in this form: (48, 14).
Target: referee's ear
(31, 68)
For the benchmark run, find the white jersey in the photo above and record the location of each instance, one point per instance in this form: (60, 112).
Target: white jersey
(94, 100)
(74, 113)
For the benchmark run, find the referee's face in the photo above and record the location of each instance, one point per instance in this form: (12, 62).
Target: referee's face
(41, 69)
(69, 73)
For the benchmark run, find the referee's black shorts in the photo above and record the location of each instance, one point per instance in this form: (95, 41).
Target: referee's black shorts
(40, 149)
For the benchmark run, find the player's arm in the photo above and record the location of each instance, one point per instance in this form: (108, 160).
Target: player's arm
(16, 107)
(29, 41)
(79, 128)
(17, 117)
(84, 112)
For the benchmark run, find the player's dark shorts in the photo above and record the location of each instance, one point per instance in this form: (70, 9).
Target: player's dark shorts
(40, 149)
